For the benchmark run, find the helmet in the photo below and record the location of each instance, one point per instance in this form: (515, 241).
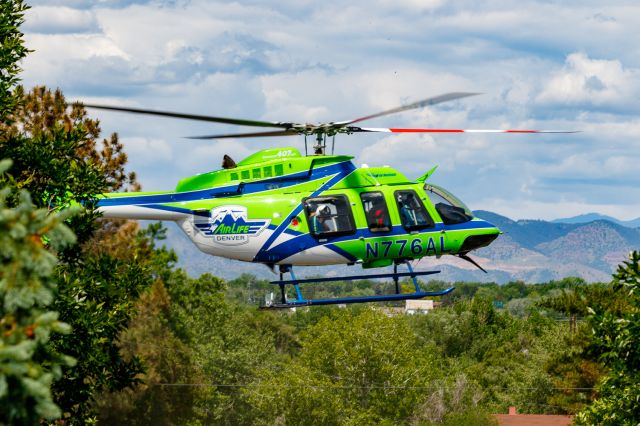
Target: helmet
(323, 210)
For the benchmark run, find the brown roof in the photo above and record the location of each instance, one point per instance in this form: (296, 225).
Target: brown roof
(532, 420)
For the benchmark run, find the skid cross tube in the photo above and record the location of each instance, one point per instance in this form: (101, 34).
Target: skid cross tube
(301, 301)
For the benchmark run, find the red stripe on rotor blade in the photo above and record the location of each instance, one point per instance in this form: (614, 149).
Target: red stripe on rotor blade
(395, 130)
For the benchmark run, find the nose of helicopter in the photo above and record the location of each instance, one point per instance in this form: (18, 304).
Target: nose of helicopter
(481, 238)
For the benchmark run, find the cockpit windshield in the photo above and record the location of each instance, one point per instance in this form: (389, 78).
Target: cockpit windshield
(448, 206)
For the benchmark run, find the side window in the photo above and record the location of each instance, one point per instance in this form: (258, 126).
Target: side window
(376, 212)
(412, 212)
(329, 216)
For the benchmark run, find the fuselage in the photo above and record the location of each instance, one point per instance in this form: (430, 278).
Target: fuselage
(278, 207)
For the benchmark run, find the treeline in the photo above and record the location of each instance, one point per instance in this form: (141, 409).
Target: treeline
(212, 359)
(516, 296)
(97, 325)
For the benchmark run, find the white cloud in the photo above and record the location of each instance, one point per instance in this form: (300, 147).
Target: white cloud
(583, 80)
(147, 151)
(59, 20)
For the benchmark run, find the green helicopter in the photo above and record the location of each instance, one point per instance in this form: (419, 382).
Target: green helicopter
(280, 208)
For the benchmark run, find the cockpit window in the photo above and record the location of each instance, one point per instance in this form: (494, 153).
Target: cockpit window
(449, 207)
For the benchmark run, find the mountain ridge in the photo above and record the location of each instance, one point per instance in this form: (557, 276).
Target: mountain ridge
(590, 217)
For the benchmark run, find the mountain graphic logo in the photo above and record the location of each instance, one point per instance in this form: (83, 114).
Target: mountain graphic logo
(229, 225)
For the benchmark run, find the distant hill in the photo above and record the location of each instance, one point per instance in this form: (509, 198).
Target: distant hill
(590, 217)
(529, 250)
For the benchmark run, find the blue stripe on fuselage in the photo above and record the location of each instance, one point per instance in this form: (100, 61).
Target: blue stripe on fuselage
(242, 189)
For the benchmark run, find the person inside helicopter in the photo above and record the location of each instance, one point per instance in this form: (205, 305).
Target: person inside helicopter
(329, 216)
(321, 220)
(376, 211)
(412, 212)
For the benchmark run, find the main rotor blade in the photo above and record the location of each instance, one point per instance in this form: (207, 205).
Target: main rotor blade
(238, 121)
(423, 103)
(247, 135)
(404, 130)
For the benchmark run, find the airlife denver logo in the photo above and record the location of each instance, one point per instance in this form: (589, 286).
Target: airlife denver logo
(229, 225)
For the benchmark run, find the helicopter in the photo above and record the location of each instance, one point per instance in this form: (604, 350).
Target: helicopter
(283, 209)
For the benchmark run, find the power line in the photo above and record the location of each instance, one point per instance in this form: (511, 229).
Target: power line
(311, 386)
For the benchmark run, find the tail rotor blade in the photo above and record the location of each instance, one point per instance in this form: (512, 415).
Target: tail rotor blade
(416, 130)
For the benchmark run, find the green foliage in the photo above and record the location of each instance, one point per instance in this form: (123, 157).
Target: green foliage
(198, 349)
(12, 50)
(353, 368)
(28, 364)
(211, 360)
(570, 301)
(470, 417)
(60, 161)
(505, 355)
(98, 299)
(56, 154)
(616, 341)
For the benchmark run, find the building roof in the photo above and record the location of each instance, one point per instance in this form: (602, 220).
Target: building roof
(533, 420)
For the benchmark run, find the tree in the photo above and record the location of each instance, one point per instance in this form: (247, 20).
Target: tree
(570, 301)
(12, 50)
(57, 153)
(616, 341)
(199, 350)
(59, 158)
(354, 368)
(28, 364)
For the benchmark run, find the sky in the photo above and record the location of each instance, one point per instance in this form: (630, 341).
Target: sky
(571, 65)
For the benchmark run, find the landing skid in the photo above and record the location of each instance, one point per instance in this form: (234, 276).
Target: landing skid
(301, 301)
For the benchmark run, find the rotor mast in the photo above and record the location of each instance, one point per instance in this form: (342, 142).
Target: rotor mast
(321, 144)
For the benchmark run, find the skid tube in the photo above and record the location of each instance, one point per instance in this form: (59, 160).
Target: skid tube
(300, 301)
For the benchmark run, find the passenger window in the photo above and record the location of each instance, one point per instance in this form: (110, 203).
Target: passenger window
(267, 171)
(412, 212)
(279, 169)
(329, 216)
(256, 173)
(376, 212)
(234, 176)
(244, 174)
